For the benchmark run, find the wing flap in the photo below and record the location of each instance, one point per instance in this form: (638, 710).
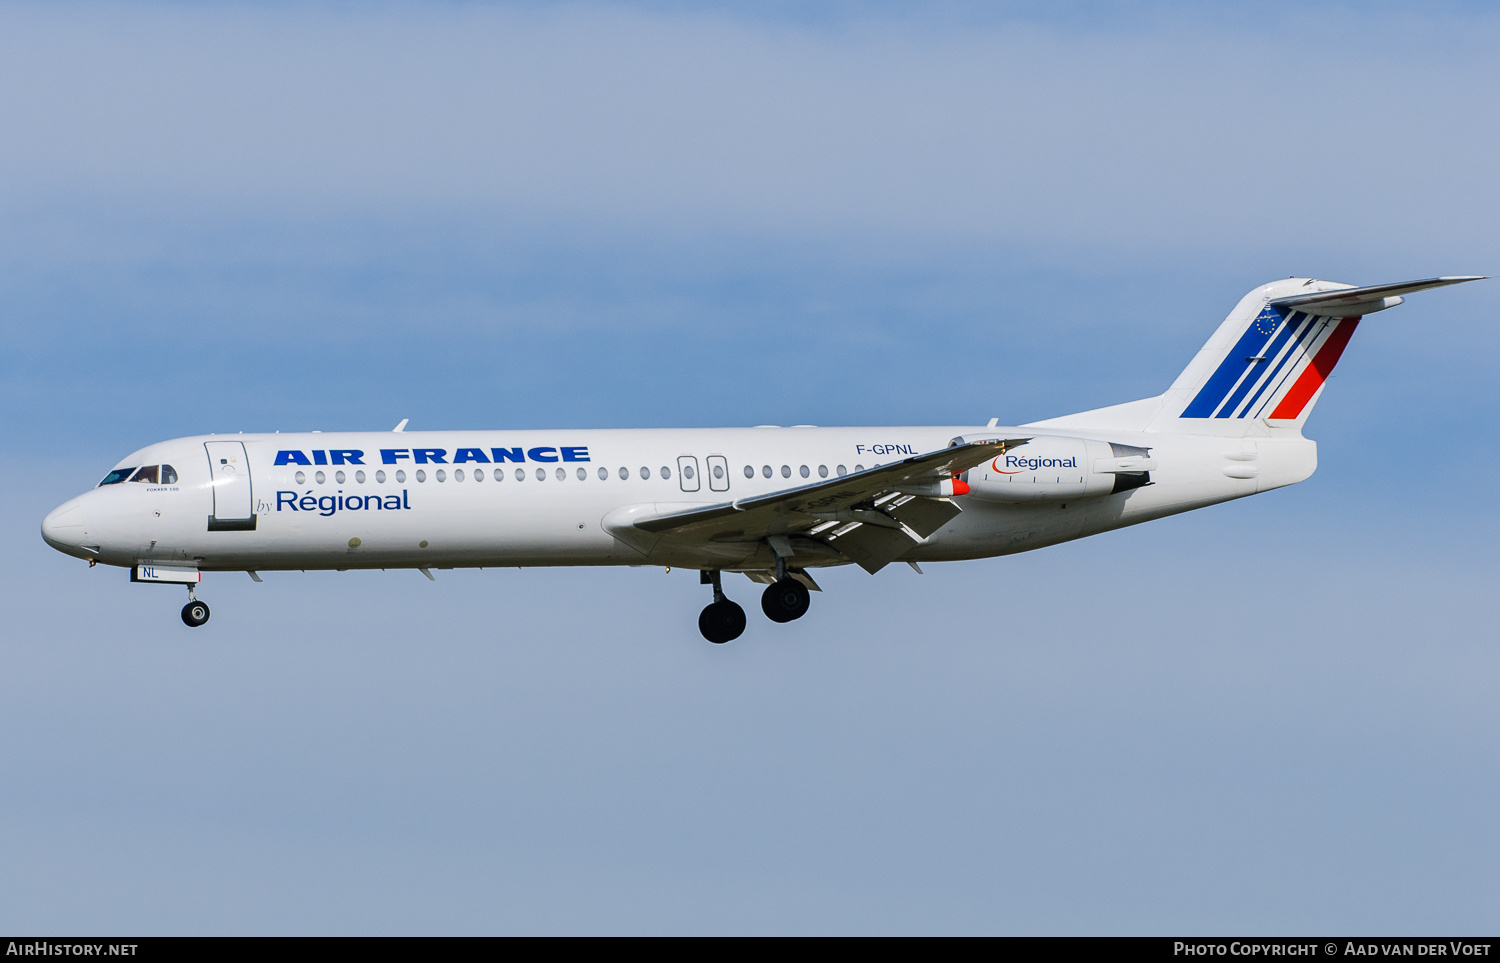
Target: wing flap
(923, 515)
(872, 548)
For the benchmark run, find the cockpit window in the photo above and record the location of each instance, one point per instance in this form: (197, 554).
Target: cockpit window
(147, 474)
(117, 476)
(168, 475)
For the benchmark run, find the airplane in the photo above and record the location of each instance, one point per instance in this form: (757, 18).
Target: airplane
(773, 503)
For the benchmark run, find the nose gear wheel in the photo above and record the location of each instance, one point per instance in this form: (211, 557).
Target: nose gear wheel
(195, 613)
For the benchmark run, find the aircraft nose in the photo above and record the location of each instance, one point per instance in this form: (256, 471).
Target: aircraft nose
(63, 527)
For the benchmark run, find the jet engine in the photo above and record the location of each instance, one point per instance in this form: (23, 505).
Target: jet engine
(1060, 469)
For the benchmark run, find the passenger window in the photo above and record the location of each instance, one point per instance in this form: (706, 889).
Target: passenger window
(339, 476)
(301, 477)
(117, 476)
(168, 475)
(718, 471)
(401, 477)
(645, 473)
(803, 471)
(786, 471)
(822, 471)
(479, 474)
(603, 474)
(666, 472)
(582, 474)
(146, 474)
(541, 474)
(562, 474)
(687, 472)
(749, 471)
(842, 471)
(458, 474)
(520, 474)
(859, 467)
(442, 476)
(766, 470)
(624, 473)
(320, 478)
(359, 476)
(421, 475)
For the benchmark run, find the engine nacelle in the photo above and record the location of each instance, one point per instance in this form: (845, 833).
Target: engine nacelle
(1049, 468)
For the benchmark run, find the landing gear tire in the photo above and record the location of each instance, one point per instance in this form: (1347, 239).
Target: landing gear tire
(195, 613)
(785, 600)
(720, 621)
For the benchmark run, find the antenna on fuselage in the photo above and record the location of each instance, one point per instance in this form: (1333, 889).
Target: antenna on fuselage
(402, 426)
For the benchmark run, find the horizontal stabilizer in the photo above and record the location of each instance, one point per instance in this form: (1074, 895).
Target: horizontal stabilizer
(1351, 302)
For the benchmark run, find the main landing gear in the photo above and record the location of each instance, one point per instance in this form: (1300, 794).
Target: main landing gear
(722, 620)
(195, 613)
(784, 600)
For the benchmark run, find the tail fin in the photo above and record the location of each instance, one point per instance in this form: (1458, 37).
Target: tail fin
(1272, 356)
(1266, 363)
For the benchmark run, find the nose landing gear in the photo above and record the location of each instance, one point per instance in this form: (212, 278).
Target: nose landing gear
(195, 613)
(722, 620)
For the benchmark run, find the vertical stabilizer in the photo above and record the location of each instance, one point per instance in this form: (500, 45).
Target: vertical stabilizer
(1270, 360)
(1265, 366)
(1264, 362)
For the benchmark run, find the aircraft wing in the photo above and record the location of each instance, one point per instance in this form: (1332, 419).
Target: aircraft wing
(870, 517)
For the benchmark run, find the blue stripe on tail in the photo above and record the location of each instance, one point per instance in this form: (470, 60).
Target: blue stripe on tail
(1304, 336)
(1256, 374)
(1235, 366)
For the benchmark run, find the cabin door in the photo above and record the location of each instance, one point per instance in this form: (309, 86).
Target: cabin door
(234, 509)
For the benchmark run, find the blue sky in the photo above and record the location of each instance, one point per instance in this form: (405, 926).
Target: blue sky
(1270, 717)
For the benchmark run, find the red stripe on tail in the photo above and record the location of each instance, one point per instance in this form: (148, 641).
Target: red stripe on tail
(1315, 374)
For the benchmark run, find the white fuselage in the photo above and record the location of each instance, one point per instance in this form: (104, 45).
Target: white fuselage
(447, 499)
